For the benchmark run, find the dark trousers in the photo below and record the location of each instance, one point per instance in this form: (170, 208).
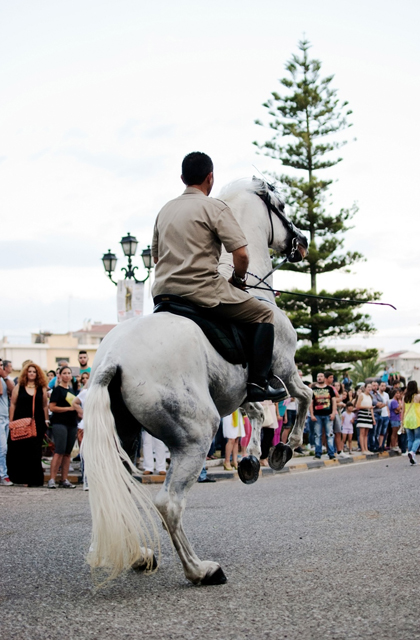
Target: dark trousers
(267, 435)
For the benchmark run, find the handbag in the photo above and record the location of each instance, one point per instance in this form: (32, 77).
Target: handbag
(25, 427)
(268, 416)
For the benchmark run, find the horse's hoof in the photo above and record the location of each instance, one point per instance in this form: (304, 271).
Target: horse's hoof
(248, 469)
(279, 456)
(218, 577)
(142, 566)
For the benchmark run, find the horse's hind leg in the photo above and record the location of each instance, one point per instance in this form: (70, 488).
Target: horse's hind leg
(186, 463)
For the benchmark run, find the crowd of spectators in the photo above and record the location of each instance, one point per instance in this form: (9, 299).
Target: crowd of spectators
(54, 402)
(370, 417)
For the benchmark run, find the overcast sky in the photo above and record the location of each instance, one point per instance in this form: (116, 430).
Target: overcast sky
(101, 100)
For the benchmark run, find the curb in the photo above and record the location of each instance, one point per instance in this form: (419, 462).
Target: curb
(323, 464)
(74, 478)
(293, 467)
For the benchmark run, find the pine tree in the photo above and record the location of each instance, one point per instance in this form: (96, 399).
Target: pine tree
(306, 119)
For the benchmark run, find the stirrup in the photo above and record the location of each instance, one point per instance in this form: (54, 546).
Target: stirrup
(274, 378)
(257, 393)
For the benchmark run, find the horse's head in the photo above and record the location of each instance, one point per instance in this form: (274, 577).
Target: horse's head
(290, 241)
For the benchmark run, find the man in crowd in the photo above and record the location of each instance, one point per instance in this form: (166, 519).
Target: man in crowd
(347, 381)
(323, 411)
(378, 404)
(6, 387)
(338, 436)
(83, 361)
(5, 374)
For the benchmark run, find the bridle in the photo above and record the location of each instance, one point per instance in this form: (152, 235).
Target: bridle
(262, 191)
(292, 251)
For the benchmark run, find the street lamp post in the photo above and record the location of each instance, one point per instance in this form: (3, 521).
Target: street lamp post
(129, 246)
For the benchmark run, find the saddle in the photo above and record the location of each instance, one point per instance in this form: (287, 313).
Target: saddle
(231, 340)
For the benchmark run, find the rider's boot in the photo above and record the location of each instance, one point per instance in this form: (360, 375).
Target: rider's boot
(258, 387)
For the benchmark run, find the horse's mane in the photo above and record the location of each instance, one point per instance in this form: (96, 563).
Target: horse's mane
(238, 188)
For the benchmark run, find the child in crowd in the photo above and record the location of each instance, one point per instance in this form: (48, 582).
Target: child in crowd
(395, 408)
(347, 420)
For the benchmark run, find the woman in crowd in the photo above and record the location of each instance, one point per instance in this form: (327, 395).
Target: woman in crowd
(411, 419)
(233, 430)
(395, 409)
(281, 411)
(84, 379)
(341, 397)
(289, 419)
(365, 417)
(24, 456)
(64, 427)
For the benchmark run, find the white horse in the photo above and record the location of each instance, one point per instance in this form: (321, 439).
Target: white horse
(160, 372)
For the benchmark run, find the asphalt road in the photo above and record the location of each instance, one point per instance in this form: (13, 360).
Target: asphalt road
(323, 554)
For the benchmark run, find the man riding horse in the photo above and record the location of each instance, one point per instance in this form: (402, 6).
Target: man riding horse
(186, 248)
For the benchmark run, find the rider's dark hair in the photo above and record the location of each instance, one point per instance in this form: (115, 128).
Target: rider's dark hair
(196, 166)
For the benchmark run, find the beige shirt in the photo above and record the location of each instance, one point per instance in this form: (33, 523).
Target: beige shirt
(187, 239)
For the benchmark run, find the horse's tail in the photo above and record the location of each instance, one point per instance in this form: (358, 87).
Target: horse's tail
(122, 535)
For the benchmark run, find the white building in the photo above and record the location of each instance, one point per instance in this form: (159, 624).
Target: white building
(47, 349)
(406, 363)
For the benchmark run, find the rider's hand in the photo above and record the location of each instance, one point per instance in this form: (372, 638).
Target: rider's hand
(237, 284)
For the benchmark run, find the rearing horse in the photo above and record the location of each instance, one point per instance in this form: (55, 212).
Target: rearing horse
(161, 373)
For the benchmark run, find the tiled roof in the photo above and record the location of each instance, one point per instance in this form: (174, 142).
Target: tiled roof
(393, 355)
(405, 355)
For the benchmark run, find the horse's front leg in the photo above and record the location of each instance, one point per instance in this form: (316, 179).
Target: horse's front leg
(187, 461)
(255, 413)
(303, 394)
(249, 466)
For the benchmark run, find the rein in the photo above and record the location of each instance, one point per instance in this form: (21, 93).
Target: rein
(306, 295)
(311, 295)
